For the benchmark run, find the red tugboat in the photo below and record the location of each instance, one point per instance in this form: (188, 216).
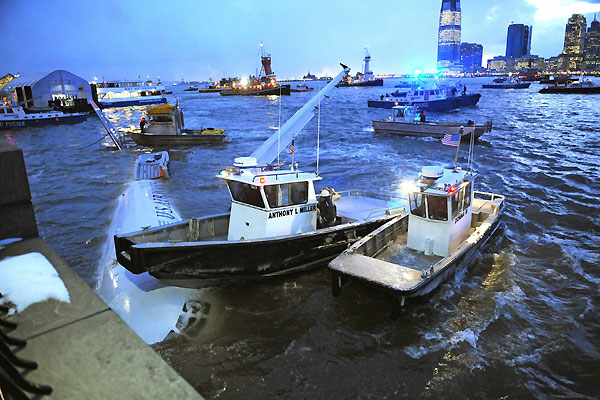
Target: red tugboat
(265, 85)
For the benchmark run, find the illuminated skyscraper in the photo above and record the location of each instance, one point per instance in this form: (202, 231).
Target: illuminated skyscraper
(448, 59)
(518, 41)
(591, 57)
(574, 42)
(471, 55)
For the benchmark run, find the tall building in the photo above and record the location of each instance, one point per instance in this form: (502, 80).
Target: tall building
(448, 58)
(471, 55)
(574, 42)
(591, 53)
(518, 41)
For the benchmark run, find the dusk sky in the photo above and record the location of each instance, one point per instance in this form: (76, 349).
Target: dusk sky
(195, 39)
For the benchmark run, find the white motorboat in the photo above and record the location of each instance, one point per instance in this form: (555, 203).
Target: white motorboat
(412, 255)
(406, 121)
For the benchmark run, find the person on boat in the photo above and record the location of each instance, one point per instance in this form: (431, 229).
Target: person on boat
(470, 123)
(464, 90)
(422, 116)
(143, 124)
(326, 210)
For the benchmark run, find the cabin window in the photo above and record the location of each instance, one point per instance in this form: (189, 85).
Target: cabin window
(9, 110)
(245, 193)
(161, 118)
(457, 202)
(417, 204)
(467, 196)
(287, 194)
(437, 207)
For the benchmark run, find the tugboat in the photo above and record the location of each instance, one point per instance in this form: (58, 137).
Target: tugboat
(365, 79)
(264, 85)
(165, 128)
(406, 121)
(434, 98)
(277, 223)
(13, 116)
(410, 256)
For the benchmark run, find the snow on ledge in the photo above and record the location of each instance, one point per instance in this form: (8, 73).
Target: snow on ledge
(29, 279)
(6, 242)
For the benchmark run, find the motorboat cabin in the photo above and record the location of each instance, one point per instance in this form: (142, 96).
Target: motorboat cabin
(440, 210)
(269, 203)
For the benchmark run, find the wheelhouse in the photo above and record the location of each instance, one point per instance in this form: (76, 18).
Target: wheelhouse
(440, 210)
(268, 202)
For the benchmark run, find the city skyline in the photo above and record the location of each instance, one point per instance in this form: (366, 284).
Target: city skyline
(123, 40)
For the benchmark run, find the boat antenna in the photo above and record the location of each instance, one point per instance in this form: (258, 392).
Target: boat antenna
(293, 150)
(318, 130)
(460, 132)
(279, 128)
(471, 148)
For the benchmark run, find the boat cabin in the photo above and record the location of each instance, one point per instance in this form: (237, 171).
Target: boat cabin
(404, 114)
(268, 202)
(440, 206)
(164, 120)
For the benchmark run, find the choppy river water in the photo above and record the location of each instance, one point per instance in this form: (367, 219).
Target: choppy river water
(522, 322)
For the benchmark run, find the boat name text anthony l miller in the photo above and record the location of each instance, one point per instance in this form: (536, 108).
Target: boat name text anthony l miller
(299, 210)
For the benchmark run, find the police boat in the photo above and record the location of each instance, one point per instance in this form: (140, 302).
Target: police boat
(277, 223)
(447, 225)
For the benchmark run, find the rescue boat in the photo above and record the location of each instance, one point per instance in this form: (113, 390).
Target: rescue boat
(411, 255)
(274, 226)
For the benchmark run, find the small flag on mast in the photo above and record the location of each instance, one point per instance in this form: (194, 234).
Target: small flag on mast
(451, 140)
(292, 147)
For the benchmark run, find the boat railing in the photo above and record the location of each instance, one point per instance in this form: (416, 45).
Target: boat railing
(276, 175)
(487, 196)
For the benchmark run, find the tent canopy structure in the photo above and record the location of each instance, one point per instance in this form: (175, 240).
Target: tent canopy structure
(36, 90)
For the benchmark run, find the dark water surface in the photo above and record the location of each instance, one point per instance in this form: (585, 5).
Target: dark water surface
(522, 322)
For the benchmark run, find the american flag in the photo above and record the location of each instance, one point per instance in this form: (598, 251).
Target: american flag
(292, 148)
(451, 140)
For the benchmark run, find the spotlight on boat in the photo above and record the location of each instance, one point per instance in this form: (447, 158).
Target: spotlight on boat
(407, 186)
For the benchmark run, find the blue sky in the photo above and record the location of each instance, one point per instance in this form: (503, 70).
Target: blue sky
(195, 39)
